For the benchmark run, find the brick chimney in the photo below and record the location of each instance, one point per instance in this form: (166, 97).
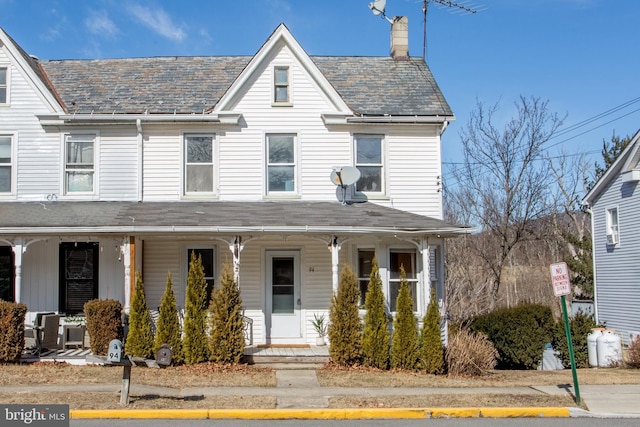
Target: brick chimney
(400, 38)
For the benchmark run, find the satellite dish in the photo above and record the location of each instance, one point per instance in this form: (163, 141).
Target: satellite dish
(344, 176)
(377, 7)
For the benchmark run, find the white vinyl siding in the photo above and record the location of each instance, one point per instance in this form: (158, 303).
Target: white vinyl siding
(616, 267)
(162, 170)
(118, 164)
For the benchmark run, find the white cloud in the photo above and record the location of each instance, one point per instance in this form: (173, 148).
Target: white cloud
(158, 21)
(99, 23)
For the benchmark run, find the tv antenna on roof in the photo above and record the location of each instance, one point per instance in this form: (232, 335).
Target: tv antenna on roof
(377, 7)
(344, 176)
(460, 8)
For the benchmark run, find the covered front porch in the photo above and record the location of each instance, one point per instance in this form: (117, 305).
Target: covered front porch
(286, 255)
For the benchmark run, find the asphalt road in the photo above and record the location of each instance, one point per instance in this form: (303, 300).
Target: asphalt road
(470, 422)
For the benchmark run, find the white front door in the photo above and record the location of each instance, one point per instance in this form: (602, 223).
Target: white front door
(283, 296)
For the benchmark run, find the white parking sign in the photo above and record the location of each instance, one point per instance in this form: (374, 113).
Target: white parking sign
(560, 279)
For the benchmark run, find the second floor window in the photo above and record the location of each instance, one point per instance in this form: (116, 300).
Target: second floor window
(369, 163)
(281, 84)
(79, 163)
(199, 163)
(281, 165)
(5, 164)
(3, 85)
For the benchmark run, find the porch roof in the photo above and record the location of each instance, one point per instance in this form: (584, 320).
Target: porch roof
(224, 217)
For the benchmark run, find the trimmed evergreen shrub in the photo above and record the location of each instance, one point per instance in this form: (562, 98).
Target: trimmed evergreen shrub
(168, 327)
(581, 325)
(404, 341)
(519, 334)
(195, 343)
(431, 350)
(375, 337)
(11, 330)
(345, 327)
(470, 354)
(104, 323)
(226, 344)
(139, 341)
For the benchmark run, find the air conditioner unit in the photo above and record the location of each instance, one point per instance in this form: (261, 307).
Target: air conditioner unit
(612, 239)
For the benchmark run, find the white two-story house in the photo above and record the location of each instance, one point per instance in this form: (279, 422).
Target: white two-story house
(113, 166)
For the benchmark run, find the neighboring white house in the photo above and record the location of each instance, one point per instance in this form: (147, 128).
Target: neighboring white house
(113, 166)
(614, 202)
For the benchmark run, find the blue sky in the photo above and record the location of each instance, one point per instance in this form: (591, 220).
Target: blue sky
(580, 55)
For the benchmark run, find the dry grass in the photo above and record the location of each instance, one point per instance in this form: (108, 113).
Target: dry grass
(176, 379)
(452, 401)
(111, 401)
(332, 376)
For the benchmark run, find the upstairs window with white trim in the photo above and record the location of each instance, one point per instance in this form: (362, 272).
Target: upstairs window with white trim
(199, 164)
(406, 259)
(613, 232)
(281, 85)
(369, 161)
(5, 164)
(79, 167)
(4, 87)
(281, 164)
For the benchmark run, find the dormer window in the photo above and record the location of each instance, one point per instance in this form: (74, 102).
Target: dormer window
(3, 85)
(281, 85)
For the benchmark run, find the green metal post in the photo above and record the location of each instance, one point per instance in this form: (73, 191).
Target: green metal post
(567, 329)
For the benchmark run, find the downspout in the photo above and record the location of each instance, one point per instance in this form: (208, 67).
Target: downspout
(140, 158)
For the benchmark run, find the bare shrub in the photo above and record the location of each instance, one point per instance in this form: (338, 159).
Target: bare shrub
(470, 354)
(633, 354)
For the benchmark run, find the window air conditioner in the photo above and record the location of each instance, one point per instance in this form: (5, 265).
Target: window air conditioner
(612, 239)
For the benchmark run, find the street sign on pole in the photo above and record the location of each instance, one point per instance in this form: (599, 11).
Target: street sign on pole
(560, 279)
(562, 287)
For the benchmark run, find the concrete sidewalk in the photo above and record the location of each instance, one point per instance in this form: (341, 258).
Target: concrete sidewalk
(299, 395)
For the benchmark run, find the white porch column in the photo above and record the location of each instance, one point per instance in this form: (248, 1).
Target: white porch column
(335, 247)
(125, 254)
(236, 247)
(426, 273)
(18, 249)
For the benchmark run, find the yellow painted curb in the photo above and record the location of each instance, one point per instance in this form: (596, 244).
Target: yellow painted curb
(355, 413)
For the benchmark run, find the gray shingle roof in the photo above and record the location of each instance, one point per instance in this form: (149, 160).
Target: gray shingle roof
(369, 85)
(217, 216)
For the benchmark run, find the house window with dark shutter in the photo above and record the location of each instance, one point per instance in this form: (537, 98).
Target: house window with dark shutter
(7, 274)
(78, 275)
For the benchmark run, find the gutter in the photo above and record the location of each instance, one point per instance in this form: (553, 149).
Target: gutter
(133, 229)
(340, 119)
(227, 118)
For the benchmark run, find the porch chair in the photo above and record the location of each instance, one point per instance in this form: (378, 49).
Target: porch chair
(43, 334)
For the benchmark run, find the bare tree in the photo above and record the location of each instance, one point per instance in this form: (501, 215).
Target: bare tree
(502, 185)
